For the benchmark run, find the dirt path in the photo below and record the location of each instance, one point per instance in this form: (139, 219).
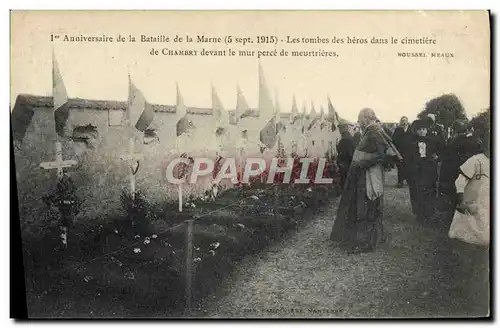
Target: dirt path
(305, 276)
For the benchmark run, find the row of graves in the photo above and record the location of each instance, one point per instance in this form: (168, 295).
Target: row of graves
(163, 259)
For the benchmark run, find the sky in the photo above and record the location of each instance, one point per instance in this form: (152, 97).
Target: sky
(363, 75)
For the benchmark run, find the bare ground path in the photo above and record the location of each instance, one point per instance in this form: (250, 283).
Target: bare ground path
(305, 276)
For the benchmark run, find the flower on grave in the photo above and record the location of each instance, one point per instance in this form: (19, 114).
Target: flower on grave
(190, 204)
(129, 275)
(309, 189)
(215, 245)
(137, 236)
(137, 250)
(197, 260)
(116, 231)
(197, 248)
(254, 197)
(116, 261)
(147, 241)
(212, 252)
(240, 225)
(87, 278)
(154, 236)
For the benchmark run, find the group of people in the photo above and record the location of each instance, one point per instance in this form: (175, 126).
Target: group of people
(441, 173)
(432, 164)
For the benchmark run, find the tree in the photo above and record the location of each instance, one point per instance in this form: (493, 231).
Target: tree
(482, 119)
(482, 123)
(447, 109)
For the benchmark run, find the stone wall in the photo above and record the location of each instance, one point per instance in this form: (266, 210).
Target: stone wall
(101, 175)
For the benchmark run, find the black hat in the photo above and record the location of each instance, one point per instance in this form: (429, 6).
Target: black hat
(420, 124)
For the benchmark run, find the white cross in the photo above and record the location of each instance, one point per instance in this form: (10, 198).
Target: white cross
(58, 164)
(132, 159)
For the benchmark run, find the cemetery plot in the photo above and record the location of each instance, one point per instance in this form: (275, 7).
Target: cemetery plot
(160, 259)
(122, 270)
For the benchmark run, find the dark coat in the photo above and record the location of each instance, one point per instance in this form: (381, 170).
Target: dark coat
(356, 138)
(400, 138)
(422, 169)
(412, 150)
(358, 223)
(345, 149)
(436, 132)
(455, 154)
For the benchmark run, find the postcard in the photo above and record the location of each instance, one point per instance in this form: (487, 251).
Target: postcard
(252, 164)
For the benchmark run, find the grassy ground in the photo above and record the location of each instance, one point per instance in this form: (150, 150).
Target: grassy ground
(264, 270)
(150, 283)
(418, 273)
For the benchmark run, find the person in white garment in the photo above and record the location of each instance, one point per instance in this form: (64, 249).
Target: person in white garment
(470, 228)
(473, 209)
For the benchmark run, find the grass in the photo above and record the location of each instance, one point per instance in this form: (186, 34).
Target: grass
(151, 282)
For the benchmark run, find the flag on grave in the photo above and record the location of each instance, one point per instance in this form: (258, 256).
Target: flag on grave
(295, 111)
(303, 118)
(60, 98)
(220, 115)
(184, 124)
(314, 116)
(266, 107)
(242, 108)
(268, 134)
(322, 118)
(332, 115)
(137, 103)
(280, 126)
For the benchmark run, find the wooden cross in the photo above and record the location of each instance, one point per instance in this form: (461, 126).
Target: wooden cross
(58, 164)
(132, 159)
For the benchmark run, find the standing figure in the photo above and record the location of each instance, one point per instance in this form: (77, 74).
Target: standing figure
(357, 135)
(470, 228)
(345, 151)
(436, 131)
(400, 138)
(422, 170)
(462, 146)
(358, 224)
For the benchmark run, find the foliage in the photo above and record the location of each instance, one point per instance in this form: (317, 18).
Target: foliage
(481, 124)
(482, 121)
(148, 276)
(447, 109)
(64, 197)
(139, 210)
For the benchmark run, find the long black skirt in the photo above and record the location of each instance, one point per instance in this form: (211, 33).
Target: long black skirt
(358, 225)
